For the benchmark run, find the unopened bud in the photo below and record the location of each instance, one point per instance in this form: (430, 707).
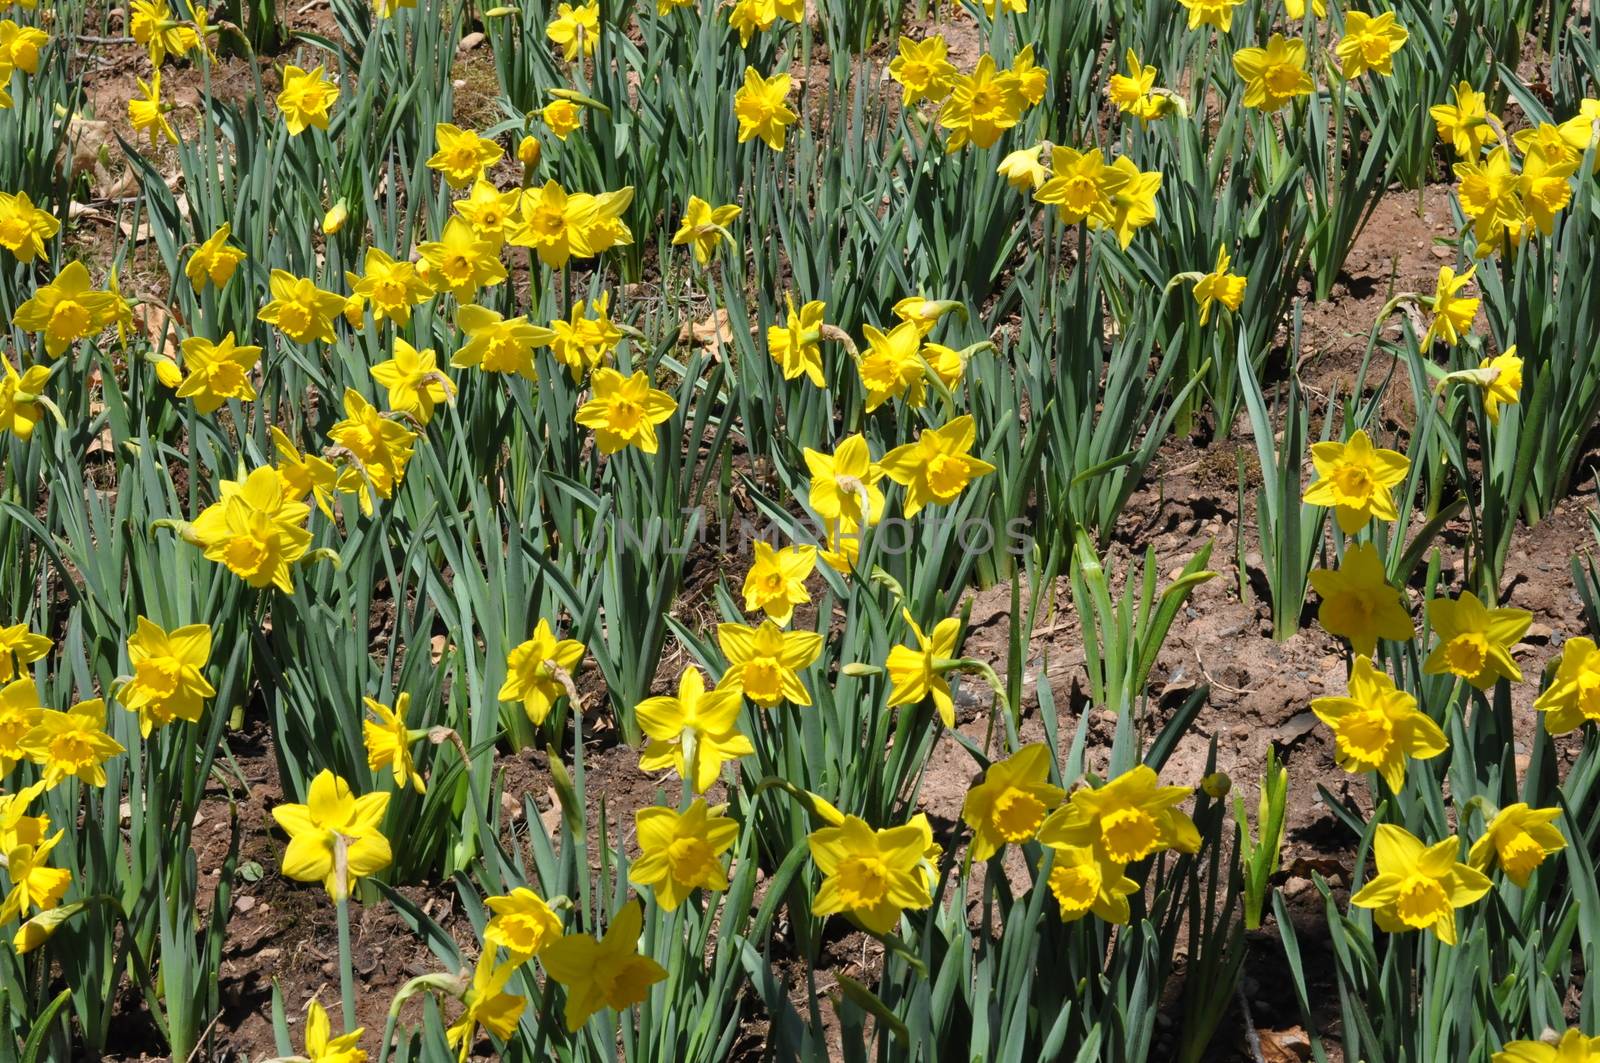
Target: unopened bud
(334, 220)
(528, 152)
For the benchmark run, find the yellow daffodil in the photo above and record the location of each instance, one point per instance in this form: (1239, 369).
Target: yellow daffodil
(776, 581)
(1505, 389)
(561, 227)
(1011, 802)
(388, 8)
(624, 411)
(35, 886)
(1518, 839)
(1574, 1046)
(1418, 887)
(168, 682)
(1359, 603)
(460, 261)
(24, 228)
(1024, 169)
(1124, 821)
(695, 733)
(748, 17)
(1463, 124)
(19, 646)
(938, 466)
(1032, 79)
(981, 106)
(1579, 131)
(532, 671)
(499, 345)
(924, 313)
(1134, 204)
(335, 837)
(1369, 44)
(1488, 192)
(304, 474)
(1296, 9)
(1134, 92)
(1452, 311)
(487, 1004)
(922, 69)
(20, 710)
(1220, 288)
(65, 310)
(1217, 13)
(682, 852)
(21, 44)
(794, 345)
(306, 99)
(214, 260)
(874, 875)
(321, 1045)
(19, 394)
(891, 366)
(1545, 187)
(300, 309)
(377, 447)
(1573, 697)
(491, 213)
(388, 741)
(760, 107)
(844, 485)
(1273, 75)
(582, 343)
(563, 117)
(1475, 641)
(1084, 882)
(1378, 727)
(575, 29)
(217, 372)
(392, 287)
(1082, 186)
(1016, 7)
(704, 227)
(916, 673)
(146, 114)
(461, 155)
(16, 826)
(521, 923)
(765, 662)
(1357, 479)
(257, 530)
(414, 381)
(608, 973)
(153, 27)
(1549, 141)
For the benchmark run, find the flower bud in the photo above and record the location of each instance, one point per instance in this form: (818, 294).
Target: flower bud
(1216, 785)
(334, 220)
(528, 152)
